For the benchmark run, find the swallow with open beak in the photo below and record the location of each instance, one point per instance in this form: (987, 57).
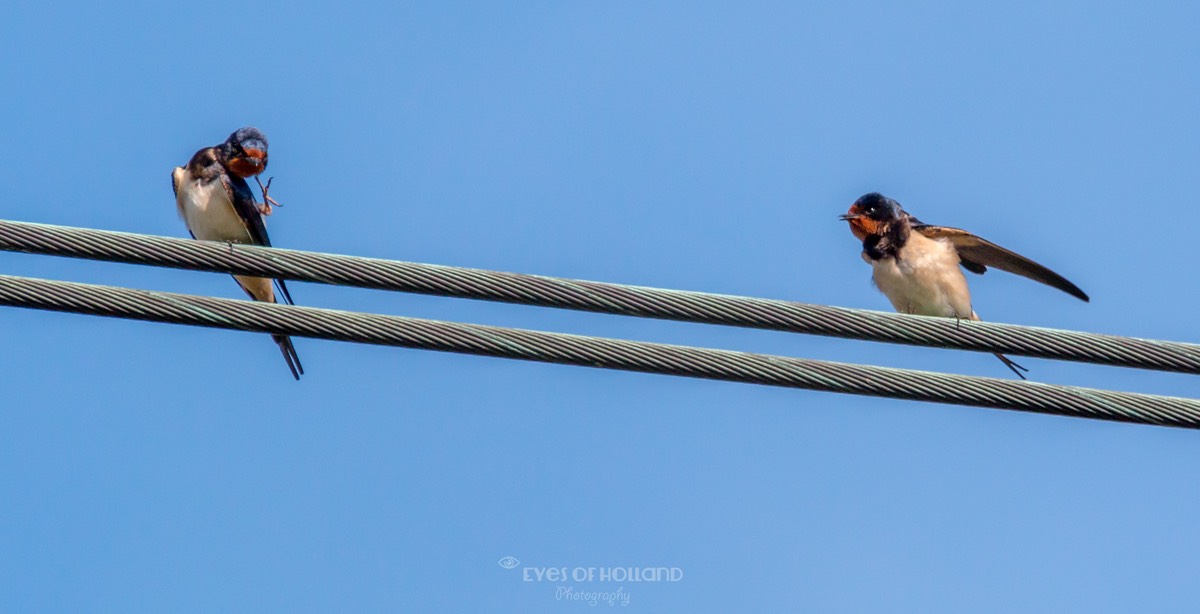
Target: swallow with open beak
(216, 203)
(916, 265)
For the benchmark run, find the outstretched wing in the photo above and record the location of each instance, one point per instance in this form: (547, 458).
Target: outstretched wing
(977, 254)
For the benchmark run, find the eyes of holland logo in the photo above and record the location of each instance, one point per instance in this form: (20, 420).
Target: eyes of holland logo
(508, 562)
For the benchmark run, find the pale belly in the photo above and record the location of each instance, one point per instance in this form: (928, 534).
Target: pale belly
(924, 280)
(209, 216)
(206, 210)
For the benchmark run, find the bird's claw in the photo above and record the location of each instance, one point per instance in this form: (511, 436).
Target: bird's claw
(265, 207)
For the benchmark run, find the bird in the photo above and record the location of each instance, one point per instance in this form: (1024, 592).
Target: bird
(916, 265)
(216, 204)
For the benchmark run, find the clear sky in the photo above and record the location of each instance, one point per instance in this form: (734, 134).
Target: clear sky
(700, 146)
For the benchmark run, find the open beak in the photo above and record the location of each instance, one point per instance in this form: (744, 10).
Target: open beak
(846, 217)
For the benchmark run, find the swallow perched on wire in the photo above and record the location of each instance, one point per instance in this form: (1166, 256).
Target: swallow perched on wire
(216, 203)
(916, 265)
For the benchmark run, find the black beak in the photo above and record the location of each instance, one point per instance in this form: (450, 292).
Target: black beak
(846, 217)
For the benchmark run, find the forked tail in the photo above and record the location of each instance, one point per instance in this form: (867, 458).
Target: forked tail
(1014, 367)
(290, 355)
(1004, 359)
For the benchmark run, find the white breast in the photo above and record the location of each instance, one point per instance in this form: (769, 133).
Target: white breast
(205, 208)
(925, 279)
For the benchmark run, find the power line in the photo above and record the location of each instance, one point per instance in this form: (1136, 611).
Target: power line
(598, 352)
(600, 297)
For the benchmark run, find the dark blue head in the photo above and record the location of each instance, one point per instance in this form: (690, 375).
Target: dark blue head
(871, 214)
(245, 152)
(877, 207)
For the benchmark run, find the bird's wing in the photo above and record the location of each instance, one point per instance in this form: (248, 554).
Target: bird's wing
(243, 203)
(977, 254)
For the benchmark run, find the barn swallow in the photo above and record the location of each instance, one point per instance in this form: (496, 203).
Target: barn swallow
(916, 264)
(216, 203)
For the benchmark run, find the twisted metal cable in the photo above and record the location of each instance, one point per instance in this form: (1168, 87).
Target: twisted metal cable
(600, 297)
(598, 352)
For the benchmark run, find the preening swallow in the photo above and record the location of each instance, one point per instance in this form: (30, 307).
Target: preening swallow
(216, 203)
(916, 265)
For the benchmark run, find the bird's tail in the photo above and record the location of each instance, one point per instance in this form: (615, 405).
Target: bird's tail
(290, 355)
(1008, 362)
(260, 289)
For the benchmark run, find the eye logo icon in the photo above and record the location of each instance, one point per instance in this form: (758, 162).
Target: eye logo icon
(508, 562)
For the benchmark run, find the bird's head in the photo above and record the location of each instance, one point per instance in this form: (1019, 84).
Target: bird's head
(245, 152)
(872, 214)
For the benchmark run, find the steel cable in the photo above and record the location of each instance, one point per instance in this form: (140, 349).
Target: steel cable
(598, 352)
(600, 297)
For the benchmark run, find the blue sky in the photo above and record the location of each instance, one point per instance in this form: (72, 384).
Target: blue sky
(699, 146)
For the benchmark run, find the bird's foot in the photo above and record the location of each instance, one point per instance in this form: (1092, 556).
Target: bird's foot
(265, 207)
